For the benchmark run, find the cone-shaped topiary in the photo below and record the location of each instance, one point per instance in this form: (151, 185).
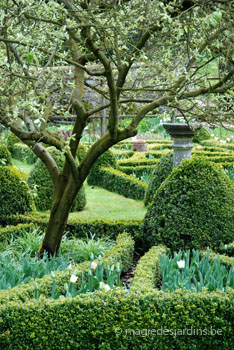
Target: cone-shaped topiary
(5, 156)
(39, 179)
(15, 197)
(193, 208)
(107, 159)
(160, 173)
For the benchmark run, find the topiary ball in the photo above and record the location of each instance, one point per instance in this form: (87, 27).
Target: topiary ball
(193, 208)
(107, 159)
(15, 197)
(5, 156)
(160, 173)
(39, 179)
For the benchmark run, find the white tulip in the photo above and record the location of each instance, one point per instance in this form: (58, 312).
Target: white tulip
(73, 278)
(181, 264)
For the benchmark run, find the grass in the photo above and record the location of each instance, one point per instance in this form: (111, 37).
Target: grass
(25, 167)
(101, 204)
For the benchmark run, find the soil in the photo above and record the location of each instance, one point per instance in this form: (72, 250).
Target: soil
(127, 276)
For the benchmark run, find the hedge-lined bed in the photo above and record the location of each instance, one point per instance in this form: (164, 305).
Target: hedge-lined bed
(121, 252)
(144, 318)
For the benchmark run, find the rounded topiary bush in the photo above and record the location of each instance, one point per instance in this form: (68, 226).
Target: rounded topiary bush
(160, 173)
(15, 197)
(39, 179)
(202, 135)
(193, 208)
(107, 159)
(5, 156)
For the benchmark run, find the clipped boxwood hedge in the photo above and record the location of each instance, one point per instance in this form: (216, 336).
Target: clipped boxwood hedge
(5, 156)
(40, 177)
(121, 320)
(83, 228)
(14, 192)
(148, 272)
(161, 172)
(194, 207)
(118, 182)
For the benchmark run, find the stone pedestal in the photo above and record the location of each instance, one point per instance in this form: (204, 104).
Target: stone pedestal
(182, 141)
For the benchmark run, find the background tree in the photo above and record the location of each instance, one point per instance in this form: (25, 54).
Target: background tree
(142, 54)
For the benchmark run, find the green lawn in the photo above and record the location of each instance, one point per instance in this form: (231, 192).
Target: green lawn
(101, 204)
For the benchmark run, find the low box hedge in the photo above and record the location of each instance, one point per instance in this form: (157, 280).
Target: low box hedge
(118, 182)
(82, 228)
(144, 318)
(147, 272)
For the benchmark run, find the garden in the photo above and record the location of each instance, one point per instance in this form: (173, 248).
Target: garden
(116, 175)
(162, 277)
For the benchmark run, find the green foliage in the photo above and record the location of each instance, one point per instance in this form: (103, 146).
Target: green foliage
(121, 252)
(202, 135)
(9, 139)
(116, 181)
(99, 278)
(139, 159)
(7, 234)
(150, 320)
(138, 170)
(193, 208)
(160, 173)
(194, 273)
(15, 271)
(148, 272)
(40, 178)
(83, 249)
(22, 152)
(83, 228)
(217, 144)
(14, 192)
(107, 159)
(145, 176)
(5, 156)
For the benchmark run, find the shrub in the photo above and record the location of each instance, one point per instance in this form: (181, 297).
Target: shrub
(118, 182)
(161, 172)
(148, 272)
(202, 135)
(107, 159)
(5, 156)
(22, 152)
(193, 208)
(14, 192)
(40, 177)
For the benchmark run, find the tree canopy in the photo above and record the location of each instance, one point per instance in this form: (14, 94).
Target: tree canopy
(137, 55)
